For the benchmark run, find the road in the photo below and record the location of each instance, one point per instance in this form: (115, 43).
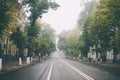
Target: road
(58, 68)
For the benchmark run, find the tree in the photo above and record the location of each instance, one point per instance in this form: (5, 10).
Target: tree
(107, 24)
(19, 39)
(3, 16)
(32, 35)
(62, 43)
(101, 28)
(43, 39)
(84, 23)
(93, 31)
(114, 23)
(37, 8)
(47, 44)
(70, 42)
(9, 10)
(89, 7)
(73, 42)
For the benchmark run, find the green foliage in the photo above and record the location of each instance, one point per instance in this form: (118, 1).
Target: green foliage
(54, 5)
(114, 23)
(107, 24)
(47, 39)
(33, 31)
(86, 36)
(62, 43)
(89, 7)
(85, 22)
(48, 32)
(101, 28)
(8, 13)
(70, 42)
(19, 39)
(9, 10)
(47, 46)
(38, 7)
(4, 17)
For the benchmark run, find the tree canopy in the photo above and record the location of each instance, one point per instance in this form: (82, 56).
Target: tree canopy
(101, 27)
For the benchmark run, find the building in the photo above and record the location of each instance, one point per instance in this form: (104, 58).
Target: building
(9, 49)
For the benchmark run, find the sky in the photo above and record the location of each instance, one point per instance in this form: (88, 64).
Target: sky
(65, 17)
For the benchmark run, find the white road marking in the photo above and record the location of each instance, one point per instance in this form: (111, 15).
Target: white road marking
(50, 71)
(78, 71)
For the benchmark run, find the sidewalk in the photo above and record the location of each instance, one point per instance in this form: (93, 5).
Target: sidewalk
(14, 65)
(107, 64)
(112, 65)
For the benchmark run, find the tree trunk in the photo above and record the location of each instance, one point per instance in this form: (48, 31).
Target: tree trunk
(96, 50)
(0, 48)
(0, 64)
(104, 56)
(20, 56)
(114, 56)
(31, 59)
(20, 61)
(28, 60)
(0, 56)
(28, 56)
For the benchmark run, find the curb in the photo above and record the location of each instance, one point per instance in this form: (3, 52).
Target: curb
(16, 69)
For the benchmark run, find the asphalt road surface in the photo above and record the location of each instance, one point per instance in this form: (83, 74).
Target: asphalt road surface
(58, 68)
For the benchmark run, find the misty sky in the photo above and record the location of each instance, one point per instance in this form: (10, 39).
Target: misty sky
(65, 17)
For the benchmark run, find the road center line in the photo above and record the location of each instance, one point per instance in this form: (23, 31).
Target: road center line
(50, 71)
(78, 71)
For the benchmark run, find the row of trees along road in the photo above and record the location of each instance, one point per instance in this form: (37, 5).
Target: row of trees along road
(70, 42)
(100, 26)
(25, 33)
